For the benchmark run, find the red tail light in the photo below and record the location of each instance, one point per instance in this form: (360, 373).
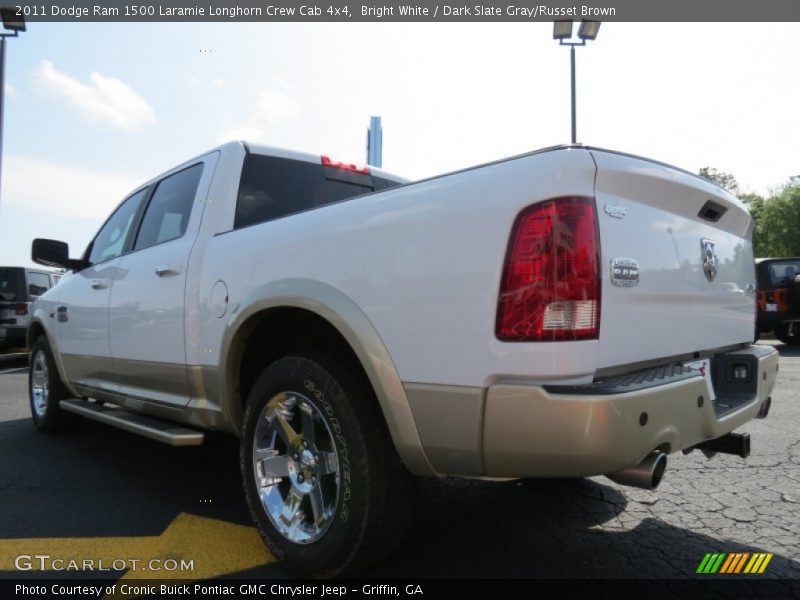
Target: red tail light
(327, 161)
(550, 289)
(21, 309)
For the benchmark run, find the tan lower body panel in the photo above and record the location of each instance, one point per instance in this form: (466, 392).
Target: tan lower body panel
(516, 430)
(531, 433)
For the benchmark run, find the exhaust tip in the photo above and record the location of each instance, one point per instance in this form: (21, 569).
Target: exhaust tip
(659, 468)
(646, 475)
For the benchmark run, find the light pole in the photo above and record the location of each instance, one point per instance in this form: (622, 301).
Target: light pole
(14, 24)
(562, 31)
(375, 142)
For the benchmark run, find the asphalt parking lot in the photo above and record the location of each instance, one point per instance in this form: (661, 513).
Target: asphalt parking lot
(103, 492)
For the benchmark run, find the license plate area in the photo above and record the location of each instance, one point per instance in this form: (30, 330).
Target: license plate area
(703, 367)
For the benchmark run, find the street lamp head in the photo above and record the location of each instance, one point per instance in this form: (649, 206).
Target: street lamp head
(11, 20)
(562, 30)
(588, 30)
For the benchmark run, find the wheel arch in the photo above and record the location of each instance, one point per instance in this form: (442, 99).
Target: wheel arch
(36, 329)
(323, 304)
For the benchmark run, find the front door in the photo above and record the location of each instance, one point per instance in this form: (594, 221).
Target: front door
(147, 316)
(81, 303)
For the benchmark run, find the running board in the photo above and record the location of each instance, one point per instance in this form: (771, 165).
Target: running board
(150, 427)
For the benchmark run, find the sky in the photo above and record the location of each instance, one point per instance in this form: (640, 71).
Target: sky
(93, 110)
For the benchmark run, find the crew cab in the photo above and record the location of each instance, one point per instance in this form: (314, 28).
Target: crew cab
(563, 313)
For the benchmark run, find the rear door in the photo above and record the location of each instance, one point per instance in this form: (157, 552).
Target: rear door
(147, 315)
(689, 242)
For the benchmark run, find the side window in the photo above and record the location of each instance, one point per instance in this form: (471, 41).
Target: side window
(169, 209)
(110, 240)
(38, 284)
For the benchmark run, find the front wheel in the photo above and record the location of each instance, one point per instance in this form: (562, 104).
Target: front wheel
(46, 389)
(788, 333)
(322, 479)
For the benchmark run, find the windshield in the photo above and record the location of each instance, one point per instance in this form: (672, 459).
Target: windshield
(9, 284)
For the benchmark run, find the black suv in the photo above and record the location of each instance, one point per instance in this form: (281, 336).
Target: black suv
(19, 287)
(779, 298)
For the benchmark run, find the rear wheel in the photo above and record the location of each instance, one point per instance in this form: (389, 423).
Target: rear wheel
(322, 479)
(788, 333)
(45, 389)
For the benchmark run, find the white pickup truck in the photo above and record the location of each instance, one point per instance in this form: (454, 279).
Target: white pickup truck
(565, 313)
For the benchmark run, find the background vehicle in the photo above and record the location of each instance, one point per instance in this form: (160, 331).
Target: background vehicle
(778, 281)
(563, 313)
(19, 287)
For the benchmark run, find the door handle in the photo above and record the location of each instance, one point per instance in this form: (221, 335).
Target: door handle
(99, 284)
(167, 270)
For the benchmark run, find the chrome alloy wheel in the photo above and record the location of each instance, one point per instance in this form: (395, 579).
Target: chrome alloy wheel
(40, 384)
(296, 467)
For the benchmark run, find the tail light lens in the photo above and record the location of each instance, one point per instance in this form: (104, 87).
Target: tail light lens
(21, 309)
(550, 290)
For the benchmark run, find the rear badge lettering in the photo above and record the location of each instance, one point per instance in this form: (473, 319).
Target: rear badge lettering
(618, 212)
(624, 272)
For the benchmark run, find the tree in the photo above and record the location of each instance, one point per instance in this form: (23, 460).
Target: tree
(755, 204)
(720, 178)
(776, 219)
(778, 223)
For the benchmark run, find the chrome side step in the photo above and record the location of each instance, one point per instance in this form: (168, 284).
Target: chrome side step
(151, 427)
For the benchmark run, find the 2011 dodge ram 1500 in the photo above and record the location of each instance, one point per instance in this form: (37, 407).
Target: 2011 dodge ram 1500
(564, 313)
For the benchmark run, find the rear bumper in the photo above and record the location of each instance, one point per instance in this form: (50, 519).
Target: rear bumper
(529, 431)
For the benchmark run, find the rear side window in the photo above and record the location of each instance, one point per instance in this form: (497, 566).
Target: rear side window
(38, 283)
(11, 283)
(169, 209)
(272, 188)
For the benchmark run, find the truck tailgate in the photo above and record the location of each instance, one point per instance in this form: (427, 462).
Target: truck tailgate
(676, 227)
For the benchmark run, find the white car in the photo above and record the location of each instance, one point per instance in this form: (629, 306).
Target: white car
(562, 313)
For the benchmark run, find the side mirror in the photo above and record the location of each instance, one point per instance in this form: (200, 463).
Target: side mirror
(53, 253)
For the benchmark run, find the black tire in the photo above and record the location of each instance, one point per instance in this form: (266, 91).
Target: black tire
(782, 333)
(376, 493)
(50, 417)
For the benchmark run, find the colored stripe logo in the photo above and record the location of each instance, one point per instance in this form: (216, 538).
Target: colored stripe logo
(734, 563)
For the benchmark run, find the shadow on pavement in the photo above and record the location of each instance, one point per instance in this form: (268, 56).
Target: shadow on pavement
(787, 350)
(96, 481)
